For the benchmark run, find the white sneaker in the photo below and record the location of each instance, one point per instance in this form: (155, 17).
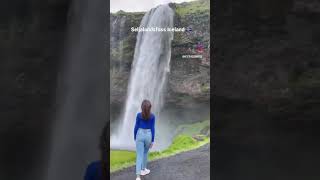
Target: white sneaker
(138, 178)
(145, 171)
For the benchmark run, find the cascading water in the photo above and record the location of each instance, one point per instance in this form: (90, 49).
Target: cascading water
(82, 94)
(149, 72)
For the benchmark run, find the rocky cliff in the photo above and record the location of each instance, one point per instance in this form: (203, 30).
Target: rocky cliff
(189, 78)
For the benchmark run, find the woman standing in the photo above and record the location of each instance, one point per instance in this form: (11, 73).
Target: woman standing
(144, 137)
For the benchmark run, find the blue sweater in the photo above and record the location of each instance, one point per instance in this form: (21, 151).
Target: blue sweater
(93, 171)
(144, 124)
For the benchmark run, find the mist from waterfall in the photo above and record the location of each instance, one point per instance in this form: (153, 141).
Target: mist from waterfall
(148, 77)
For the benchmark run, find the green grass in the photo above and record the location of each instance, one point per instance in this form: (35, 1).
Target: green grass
(184, 141)
(308, 79)
(205, 87)
(193, 7)
(119, 157)
(181, 143)
(192, 129)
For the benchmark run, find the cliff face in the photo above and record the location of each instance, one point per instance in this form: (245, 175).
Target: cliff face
(189, 78)
(122, 44)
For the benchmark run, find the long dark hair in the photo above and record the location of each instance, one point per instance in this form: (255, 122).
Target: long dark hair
(103, 146)
(146, 109)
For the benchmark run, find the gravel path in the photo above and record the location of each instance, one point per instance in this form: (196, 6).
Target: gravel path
(191, 165)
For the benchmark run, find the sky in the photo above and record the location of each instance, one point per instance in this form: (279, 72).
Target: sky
(138, 5)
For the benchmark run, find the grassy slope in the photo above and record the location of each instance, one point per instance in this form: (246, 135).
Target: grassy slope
(193, 7)
(184, 141)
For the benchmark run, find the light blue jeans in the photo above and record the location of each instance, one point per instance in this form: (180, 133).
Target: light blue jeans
(143, 141)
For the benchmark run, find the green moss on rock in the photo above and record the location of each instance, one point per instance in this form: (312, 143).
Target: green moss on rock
(194, 7)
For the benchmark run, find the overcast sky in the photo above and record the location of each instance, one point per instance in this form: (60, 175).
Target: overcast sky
(138, 5)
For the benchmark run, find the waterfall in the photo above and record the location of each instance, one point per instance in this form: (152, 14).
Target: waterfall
(150, 67)
(81, 110)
